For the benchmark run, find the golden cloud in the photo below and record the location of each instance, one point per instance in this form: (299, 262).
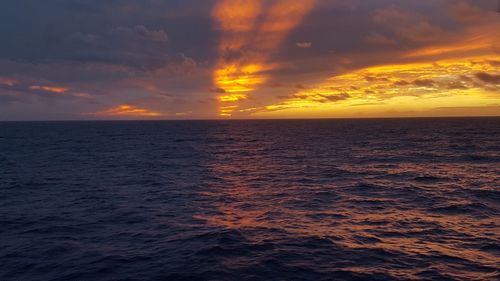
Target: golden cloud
(126, 110)
(250, 33)
(411, 86)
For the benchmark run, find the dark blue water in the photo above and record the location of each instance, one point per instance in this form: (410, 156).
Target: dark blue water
(415, 199)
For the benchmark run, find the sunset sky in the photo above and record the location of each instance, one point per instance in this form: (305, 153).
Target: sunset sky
(232, 59)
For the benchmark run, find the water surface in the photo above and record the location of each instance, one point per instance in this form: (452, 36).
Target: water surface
(395, 199)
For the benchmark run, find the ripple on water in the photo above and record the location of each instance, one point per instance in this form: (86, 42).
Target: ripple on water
(250, 200)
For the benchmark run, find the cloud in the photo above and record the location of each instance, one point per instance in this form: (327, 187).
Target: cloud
(485, 110)
(104, 53)
(51, 89)
(183, 114)
(376, 79)
(134, 52)
(251, 32)
(474, 44)
(180, 65)
(218, 91)
(488, 78)
(420, 32)
(446, 81)
(379, 39)
(7, 81)
(406, 25)
(126, 110)
(429, 83)
(136, 47)
(494, 63)
(301, 86)
(335, 98)
(309, 99)
(322, 97)
(392, 16)
(8, 98)
(30, 92)
(30, 85)
(304, 45)
(153, 35)
(465, 12)
(88, 39)
(457, 85)
(425, 83)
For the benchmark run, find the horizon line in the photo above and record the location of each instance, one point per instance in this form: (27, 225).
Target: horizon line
(257, 119)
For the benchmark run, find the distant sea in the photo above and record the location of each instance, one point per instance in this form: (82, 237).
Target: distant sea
(388, 199)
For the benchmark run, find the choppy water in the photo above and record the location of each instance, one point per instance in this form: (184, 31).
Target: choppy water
(251, 200)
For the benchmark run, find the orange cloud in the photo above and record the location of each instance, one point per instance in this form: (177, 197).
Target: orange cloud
(458, 72)
(450, 49)
(7, 81)
(480, 40)
(409, 87)
(250, 33)
(130, 111)
(57, 90)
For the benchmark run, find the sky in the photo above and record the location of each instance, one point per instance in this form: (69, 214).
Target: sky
(243, 59)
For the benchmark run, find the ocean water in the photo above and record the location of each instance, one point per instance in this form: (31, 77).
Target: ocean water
(395, 199)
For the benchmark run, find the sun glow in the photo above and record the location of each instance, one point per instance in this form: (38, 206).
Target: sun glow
(392, 89)
(250, 33)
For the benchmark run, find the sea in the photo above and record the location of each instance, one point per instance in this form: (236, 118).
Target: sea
(341, 199)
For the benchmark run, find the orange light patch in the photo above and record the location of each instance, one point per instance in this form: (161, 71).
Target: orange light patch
(227, 111)
(8, 81)
(236, 15)
(129, 110)
(476, 41)
(232, 97)
(472, 45)
(57, 90)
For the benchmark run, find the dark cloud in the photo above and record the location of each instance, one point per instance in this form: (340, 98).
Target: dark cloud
(142, 35)
(465, 11)
(135, 46)
(418, 82)
(375, 38)
(488, 78)
(337, 97)
(424, 82)
(6, 98)
(402, 83)
(482, 80)
(317, 97)
(301, 86)
(217, 90)
(457, 85)
(153, 35)
(407, 25)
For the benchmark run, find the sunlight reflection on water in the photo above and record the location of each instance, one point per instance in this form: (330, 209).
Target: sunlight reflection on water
(341, 199)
